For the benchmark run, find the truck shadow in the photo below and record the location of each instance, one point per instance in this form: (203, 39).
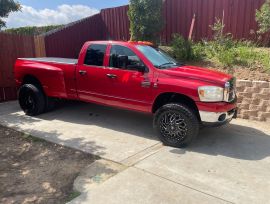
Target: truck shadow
(234, 141)
(133, 123)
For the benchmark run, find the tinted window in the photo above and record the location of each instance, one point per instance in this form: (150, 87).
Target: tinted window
(123, 58)
(95, 55)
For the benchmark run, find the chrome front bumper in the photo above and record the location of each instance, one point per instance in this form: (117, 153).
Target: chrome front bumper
(220, 117)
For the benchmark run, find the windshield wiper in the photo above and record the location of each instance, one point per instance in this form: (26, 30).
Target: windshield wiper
(167, 63)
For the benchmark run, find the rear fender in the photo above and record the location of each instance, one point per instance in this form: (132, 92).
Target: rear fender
(51, 78)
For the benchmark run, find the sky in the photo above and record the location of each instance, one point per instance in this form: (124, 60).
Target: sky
(55, 12)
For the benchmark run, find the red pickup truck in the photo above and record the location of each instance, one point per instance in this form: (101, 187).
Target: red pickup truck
(134, 76)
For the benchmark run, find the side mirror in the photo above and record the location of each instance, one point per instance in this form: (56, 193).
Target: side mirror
(141, 68)
(137, 67)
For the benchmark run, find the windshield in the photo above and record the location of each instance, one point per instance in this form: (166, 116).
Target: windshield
(159, 58)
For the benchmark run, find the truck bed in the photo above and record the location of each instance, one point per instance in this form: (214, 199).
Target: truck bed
(53, 60)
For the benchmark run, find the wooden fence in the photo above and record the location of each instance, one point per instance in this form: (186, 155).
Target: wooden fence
(67, 41)
(239, 17)
(113, 24)
(12, 47)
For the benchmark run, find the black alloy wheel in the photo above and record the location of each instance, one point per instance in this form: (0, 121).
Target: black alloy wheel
(31, 99)
(176, 124)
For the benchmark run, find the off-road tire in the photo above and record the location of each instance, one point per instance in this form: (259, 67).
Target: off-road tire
(31, 99)
(187, 126)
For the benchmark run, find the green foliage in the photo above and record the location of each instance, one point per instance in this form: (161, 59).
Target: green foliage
(186, 50)
(218, 29)
(73, 195)
(222, 48)
(145, 19)
(33, 30)
(181, 48)
(264, 60)
(7, 6)
(198, 51)
(245, 54)
(224, 52)
(263, 17)
(221, 51)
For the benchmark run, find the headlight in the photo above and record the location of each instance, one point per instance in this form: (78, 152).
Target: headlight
(211, 93)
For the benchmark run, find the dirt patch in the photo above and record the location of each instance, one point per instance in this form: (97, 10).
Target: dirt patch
(36, 171)
(247, 74)
(257, 73)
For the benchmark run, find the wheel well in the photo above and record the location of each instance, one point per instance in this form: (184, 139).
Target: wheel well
(29, 79)
(166, 98)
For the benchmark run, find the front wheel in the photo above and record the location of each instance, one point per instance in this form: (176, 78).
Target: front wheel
(32, 100)
(176, 124)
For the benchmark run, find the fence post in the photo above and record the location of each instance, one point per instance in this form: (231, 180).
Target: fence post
(39, 46)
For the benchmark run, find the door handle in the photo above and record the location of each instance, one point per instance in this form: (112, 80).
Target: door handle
(82, 72)
(146, 84)
(111, 76)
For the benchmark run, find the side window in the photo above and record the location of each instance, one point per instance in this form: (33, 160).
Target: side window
(123, 58)
(95, 55)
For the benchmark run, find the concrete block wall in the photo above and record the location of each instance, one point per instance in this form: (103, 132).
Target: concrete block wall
(253, 100)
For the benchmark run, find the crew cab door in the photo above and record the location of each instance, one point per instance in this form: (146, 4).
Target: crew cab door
(92, 82)
(130, 80)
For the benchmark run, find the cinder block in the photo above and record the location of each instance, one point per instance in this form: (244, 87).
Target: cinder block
(250, 112)
(239, 99)
(246, 100)
(257, 107)
(260, 96)
(264, 114)
(240, 94)
(245, 83)
(255, 101)
(254, 118)
(265, 91)
(240, 88)
(254, 107)
(245, 116)
(247, 95)
(261, 84)
(239, 116)
(244, 106)
(264, 103)
(252, 90)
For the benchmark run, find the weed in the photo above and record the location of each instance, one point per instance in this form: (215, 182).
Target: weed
(32, 138)
(73, 195)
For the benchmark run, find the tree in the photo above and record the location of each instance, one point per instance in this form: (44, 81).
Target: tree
(263, 17)
(145, 19)
(7, 6)
(33, 30)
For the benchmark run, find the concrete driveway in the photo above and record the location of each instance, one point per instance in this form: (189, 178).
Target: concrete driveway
(230, 164)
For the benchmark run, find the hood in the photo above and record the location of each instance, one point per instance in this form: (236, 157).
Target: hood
(198, 73)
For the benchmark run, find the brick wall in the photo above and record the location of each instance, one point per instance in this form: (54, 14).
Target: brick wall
(253, 100)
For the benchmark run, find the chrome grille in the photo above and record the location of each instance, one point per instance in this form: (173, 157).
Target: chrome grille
(230, 92)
